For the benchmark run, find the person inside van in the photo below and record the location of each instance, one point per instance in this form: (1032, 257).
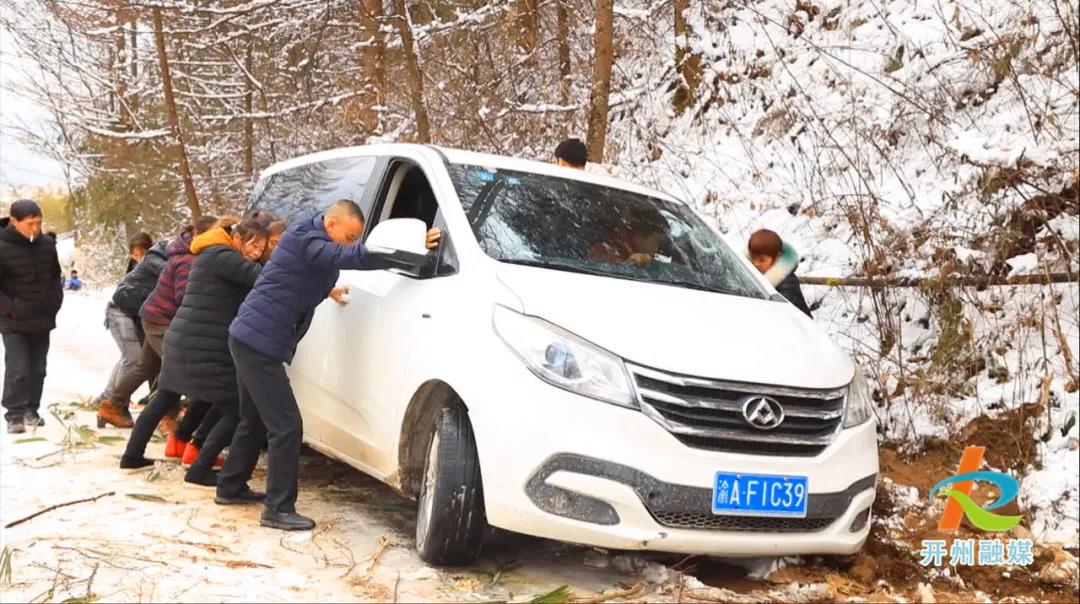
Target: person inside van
(637, 242)
(571, 153)
(777, 261)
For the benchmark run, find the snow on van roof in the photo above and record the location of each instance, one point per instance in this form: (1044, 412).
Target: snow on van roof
(461, 156)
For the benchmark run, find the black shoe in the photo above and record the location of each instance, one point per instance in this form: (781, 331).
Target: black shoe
(245, 497)
(286, 521)
(33, 420)
(16, 426)
(198, 476)
(135, 463)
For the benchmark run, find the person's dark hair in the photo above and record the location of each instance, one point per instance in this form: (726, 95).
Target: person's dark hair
(25, 208)
(204, 223)
(765, 243)
(52, 235)
(347, 207)
(74, 273)
(252, 228)
(278, 227)
(141, 239)
(573, 152)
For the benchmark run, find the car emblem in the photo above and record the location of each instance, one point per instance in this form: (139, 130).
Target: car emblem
(762, 412)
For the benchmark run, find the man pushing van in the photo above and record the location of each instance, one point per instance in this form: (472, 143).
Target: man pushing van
(302, 272)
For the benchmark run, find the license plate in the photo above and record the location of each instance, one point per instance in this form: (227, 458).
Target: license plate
(759, 495)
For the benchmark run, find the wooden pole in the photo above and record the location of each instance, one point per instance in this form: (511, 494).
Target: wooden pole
(960, 280)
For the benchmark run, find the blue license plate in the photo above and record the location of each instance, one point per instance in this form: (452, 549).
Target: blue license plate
(759, 495)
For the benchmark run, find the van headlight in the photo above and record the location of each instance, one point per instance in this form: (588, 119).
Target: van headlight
(858, 406)
(562, 359)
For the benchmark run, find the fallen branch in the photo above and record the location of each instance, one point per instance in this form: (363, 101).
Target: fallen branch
(54, 507)
(963, 280)
(383, 544)
(618, 595)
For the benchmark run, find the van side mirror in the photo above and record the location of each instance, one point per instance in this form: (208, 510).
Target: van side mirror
(401, 241)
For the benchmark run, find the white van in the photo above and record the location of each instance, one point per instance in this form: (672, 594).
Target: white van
(582, 359)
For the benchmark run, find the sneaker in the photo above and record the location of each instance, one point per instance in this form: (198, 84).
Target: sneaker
(33, 420)
(174, 447)
(16, 426)
(135, 463)
(286, 521)
(244, 497)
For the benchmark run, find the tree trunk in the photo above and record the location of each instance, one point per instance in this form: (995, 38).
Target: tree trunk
(603, 60)
(249, 126)
(371, 65)
(563, 16)
(413, 76)
(120, 70)
(528, 23)
(174, 117)
(687, 63)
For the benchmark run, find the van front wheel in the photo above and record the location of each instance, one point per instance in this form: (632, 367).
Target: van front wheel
(451, 519)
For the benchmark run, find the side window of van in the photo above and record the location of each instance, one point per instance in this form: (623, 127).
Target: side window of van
(306, 191)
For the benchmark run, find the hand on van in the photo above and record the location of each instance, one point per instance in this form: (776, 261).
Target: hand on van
(640, 258)
(433, 238)
(340, 295)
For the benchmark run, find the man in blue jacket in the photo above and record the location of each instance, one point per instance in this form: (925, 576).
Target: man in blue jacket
(302, 272)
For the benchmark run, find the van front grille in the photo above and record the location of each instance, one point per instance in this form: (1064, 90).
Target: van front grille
(709, 414)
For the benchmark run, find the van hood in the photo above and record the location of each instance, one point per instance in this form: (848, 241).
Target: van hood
(684, 331)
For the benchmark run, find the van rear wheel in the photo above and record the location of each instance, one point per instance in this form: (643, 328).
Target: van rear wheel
(451, 520)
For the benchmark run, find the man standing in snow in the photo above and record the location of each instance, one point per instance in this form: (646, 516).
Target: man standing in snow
(301, 273)
(30, 297)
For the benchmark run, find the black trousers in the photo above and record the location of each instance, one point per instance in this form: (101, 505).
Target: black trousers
(267, 409)
(24, 373)
(160, 405)
(192, 420)
(220, 435)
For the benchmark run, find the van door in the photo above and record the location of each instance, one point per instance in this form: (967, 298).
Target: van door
(385, 318)
(302, 193)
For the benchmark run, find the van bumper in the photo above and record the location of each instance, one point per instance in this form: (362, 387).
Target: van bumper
(562, 466)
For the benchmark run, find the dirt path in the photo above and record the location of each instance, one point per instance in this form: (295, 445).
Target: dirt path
(158, 540)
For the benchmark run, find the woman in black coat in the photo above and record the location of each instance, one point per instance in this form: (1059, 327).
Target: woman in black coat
(195, 358)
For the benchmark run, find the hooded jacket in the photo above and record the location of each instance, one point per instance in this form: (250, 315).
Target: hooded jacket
(162, 303)
(195, 353)
(30, 289)
(137, 285)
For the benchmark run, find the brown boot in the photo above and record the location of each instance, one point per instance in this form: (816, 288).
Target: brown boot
(167, 426)
(117, 414)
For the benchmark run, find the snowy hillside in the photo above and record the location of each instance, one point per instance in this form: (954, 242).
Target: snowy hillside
(902, 139)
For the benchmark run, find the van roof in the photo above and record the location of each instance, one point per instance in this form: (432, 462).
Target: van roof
(461, 156)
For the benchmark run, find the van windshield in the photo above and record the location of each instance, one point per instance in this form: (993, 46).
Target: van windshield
(563, 224)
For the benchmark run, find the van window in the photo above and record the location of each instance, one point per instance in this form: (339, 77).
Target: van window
(306, 191)
(569, 225)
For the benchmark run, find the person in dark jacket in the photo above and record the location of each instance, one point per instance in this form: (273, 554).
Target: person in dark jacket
(123, 317)
(777, 261)
(301, 273)
(195, 354)
(157, 312)
(30, 298)
(127, 335)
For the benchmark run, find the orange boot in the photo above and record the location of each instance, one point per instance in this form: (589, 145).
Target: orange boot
(191, 452)
(174, 447)
(116, 414)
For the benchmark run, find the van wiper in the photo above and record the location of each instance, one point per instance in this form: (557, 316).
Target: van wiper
(558, 266)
